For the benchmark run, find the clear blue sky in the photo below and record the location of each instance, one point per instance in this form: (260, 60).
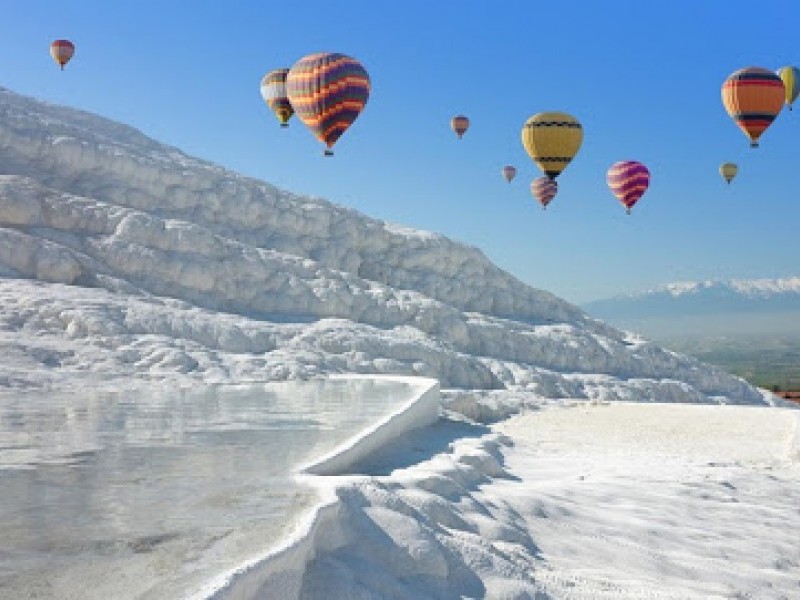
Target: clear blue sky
(643, 77)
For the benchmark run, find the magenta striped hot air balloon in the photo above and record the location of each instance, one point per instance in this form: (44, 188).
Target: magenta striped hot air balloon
(628, 180)
(544, 190)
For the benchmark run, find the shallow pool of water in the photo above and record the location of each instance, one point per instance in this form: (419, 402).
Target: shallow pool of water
(146, 494)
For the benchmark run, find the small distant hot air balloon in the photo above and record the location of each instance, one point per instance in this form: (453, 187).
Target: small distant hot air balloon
(509, 172)
(273, 90)
(328, 91)
(791, 83)
(62, 51)
(552, 140)
(544, 190)
(459, 124)
(728, 171)
(753, 98)
(628, 180)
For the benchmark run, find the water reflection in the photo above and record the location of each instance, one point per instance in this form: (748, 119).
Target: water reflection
(144, 494)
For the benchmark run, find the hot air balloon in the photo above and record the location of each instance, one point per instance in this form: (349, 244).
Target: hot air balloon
(328, 91)
(791, 83)
(628, 180)
(62, 51)
(753, 98)
(273, 90)
(728, 171)
(459, 124)
(552, 139)
(544, 190)
(509, 172)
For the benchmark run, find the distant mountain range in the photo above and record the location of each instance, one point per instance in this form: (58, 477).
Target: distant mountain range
(706, 307)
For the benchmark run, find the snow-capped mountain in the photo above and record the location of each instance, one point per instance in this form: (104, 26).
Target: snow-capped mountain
(757, 305)
(741, 291)
(119, 254)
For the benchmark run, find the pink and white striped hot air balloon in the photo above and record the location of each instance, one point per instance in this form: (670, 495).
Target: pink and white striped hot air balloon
(509, 173)
(628, 180)
(544, 190)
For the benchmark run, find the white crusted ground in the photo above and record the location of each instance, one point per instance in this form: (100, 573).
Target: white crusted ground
(125, 260)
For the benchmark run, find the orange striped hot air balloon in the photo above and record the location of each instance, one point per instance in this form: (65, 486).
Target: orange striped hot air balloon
(459, 124)
(62, 51)
(327, 91)
(753, 98)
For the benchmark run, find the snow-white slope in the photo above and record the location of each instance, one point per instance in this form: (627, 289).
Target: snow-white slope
(123, 260)
(157, 245)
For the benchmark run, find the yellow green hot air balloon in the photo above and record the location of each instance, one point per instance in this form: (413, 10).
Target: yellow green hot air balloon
(728, 171)
(552, 140)
(791, 81)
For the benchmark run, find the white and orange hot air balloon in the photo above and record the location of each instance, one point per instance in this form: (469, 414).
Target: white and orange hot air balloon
(62, 51)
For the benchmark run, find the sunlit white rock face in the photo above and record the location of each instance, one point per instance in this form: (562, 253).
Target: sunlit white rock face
(121, 255)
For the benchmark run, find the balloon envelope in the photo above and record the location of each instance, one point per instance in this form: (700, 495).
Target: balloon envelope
(62, 51)
(459, 124)
(273, 90)
(628, 180)
(791, 83)
(728, 171)
(509, 172)
(552, 140)
(753, 97)
(328, 91)
(544, 190)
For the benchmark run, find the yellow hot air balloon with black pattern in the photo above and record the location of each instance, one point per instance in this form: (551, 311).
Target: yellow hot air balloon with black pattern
(552, 139)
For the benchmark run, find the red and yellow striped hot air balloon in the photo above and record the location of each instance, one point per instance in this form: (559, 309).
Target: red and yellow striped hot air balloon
(544, 190)
(328, 91)
(628, 180)
(459, 124)
(273, 91)
(753, 98)
(62, 51)
(509, 172)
